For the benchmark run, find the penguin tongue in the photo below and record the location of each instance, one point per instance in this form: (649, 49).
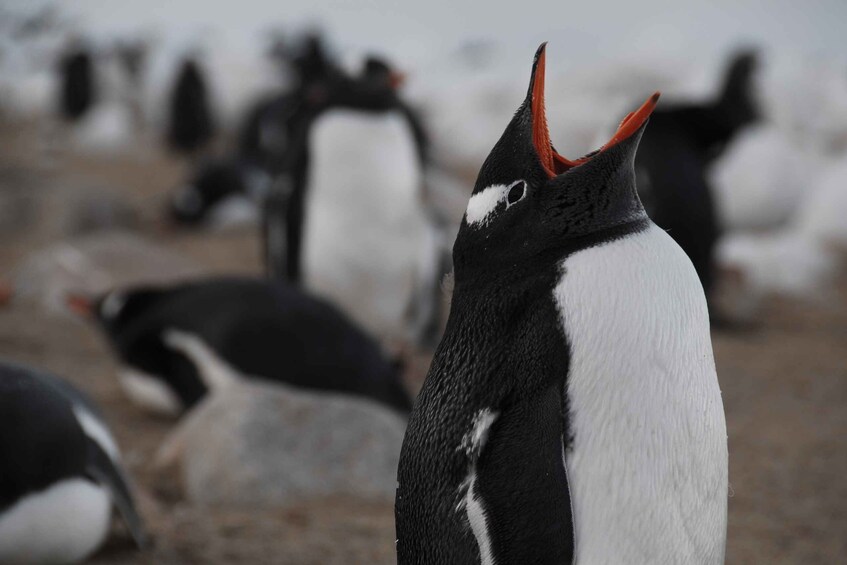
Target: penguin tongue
(555, 164)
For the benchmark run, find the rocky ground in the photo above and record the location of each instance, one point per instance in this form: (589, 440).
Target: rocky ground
(784, 384)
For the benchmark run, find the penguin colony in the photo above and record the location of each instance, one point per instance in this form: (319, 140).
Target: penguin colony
(572, 411)
(578, 328)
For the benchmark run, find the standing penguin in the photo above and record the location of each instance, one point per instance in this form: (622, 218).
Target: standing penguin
(191, 124)
(359, 199)
(672, 164)
(571, 413)
(77, 82)
(60, 475)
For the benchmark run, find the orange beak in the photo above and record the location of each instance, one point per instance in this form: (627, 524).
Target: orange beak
(555, 164)
(396, 79)
(80, 304)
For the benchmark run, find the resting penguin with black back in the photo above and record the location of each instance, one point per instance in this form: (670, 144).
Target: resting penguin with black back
(60, 475)
(572, 412)
(177, 342)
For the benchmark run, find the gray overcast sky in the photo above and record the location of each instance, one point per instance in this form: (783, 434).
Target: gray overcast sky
(580, 28)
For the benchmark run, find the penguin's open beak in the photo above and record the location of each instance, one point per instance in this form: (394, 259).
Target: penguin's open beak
(80, 304)
(553, 163)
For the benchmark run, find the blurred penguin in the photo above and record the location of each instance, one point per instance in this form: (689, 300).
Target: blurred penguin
(191, 124)
(674, 156)
(357, 228)
(78, 88)
(61, 474)
(179, 342)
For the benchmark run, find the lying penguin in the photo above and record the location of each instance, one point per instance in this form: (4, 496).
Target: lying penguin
(673, 161)
(178, 342)
(221, 193)
(61, 473)
(572, 412)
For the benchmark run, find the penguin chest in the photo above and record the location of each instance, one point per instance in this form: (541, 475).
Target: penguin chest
(365, 228)
(648, 461)
(63, 524)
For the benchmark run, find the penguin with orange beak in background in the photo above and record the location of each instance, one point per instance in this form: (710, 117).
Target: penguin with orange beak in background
(572, 412)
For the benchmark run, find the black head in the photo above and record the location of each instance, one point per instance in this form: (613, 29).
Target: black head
(116, 310)
(134, 321)
(381, 72)
(529, 202)
(738, 102)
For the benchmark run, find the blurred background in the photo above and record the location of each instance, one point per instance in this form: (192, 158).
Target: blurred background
(328, 147)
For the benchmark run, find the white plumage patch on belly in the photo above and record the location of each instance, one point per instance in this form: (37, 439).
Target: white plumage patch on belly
(365, 227)
(63, 524)
(648, 463)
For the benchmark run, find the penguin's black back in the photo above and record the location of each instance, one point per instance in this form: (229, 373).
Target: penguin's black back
(673, 160)
(673, 168)
(212, 183)
(41, 441)
(519, 367)
(261, 328)
(191, 124)
(78, 89)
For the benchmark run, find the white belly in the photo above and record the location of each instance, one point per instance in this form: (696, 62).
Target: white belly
(63, 524)
(365, 226)
(648, 465)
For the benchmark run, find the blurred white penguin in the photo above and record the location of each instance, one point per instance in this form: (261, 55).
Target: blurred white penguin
(822, 214)
(761, 179)
(367, 239)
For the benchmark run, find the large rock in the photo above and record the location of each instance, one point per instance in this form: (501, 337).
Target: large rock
(257, 443)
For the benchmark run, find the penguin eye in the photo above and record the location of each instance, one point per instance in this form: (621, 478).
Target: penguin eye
(516, 193)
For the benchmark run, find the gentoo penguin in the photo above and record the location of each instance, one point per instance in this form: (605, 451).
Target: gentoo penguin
(191, 123)
(61, 473)
(78, 89)
(178, 342)
(673, 162)
(365, 231)
(571, 413)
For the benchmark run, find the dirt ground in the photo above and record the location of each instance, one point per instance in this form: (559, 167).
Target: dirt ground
(784, 385)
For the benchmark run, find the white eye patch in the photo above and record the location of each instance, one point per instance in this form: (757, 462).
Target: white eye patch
(112, 305)
(483, 203)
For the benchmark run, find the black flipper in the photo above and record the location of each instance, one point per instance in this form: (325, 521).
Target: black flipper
(103, 470)
(528, 520)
